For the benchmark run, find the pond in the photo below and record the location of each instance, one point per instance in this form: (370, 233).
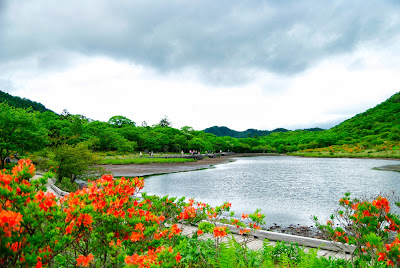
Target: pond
(289, 190)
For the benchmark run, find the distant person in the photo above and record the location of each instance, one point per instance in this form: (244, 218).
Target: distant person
(16, 156)
(182, 153)
(151, 154)
(7, 160)
(140, 153)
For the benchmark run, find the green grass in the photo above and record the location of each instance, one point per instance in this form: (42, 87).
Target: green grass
(67, 185)
(352, 151)
(346, 155)
(128, 161)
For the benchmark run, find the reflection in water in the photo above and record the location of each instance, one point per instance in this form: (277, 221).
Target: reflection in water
(287, 189)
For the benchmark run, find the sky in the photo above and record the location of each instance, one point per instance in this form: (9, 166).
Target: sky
(241, 64)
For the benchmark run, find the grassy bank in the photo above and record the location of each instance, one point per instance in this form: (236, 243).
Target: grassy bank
(357, 151)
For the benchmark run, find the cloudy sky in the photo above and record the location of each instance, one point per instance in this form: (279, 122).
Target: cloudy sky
(241, 64)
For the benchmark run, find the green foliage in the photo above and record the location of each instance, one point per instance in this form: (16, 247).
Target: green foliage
(71, 161)
(202, 253)
(120, 121)
(20, 131)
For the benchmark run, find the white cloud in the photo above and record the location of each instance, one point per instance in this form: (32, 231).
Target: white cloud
(259, 65)
(100, 87)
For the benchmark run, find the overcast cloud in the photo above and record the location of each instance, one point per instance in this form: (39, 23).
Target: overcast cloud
(242, 64)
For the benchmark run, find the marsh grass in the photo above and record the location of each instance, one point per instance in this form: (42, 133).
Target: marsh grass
(352, 151)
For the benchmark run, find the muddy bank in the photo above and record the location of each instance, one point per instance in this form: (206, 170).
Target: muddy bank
(162, 168)
(390, 168)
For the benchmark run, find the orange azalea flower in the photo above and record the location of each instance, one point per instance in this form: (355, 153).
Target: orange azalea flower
(390, 262)
(366, 213)
(175, 229)
(199, 232)
(68, 230)
(381, 202)
(245, 216)
(15, 246)
(134, 259)
(136, 236)
(244, 231)
(84, 261)
(178, 257)
(161, 219)
(139, 226)
(84, 219)
(220, 231)
(337, 233)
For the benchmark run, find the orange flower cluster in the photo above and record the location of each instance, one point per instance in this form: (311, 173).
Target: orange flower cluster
(24, 169)
(150, 259)
(10, 221)
(46, 200)
(188, 213)
(254, 226)
(381, 203)
(392, 250)
(84, 261)
(219, 231)
(105, 213)
(341, 236)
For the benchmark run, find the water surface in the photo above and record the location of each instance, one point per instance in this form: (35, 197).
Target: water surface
(287, 189)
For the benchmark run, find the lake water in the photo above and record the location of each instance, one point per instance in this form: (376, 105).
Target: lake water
(287, 189)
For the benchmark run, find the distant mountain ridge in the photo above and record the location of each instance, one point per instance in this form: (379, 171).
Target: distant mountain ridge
(249, 133)
(22, 102)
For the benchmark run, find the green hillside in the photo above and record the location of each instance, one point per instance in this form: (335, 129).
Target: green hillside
(21, 102)
(376, 125)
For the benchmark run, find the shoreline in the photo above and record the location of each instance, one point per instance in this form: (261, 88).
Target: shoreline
(145, 170)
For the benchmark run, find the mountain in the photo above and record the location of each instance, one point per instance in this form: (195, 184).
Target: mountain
(21, 102)
(374, 125)
(250, 133)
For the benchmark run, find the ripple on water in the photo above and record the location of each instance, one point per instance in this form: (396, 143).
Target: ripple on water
(287, 189)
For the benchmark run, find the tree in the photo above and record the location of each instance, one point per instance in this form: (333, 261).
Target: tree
(119, 121)
(20, 131)
(164, 122)
(106, 138)
(71, 160)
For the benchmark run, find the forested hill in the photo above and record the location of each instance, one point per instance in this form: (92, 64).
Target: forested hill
(250, 133)
(376, 124)
(21, 102)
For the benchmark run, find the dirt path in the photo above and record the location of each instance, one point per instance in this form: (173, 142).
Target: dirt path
(161, 168)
